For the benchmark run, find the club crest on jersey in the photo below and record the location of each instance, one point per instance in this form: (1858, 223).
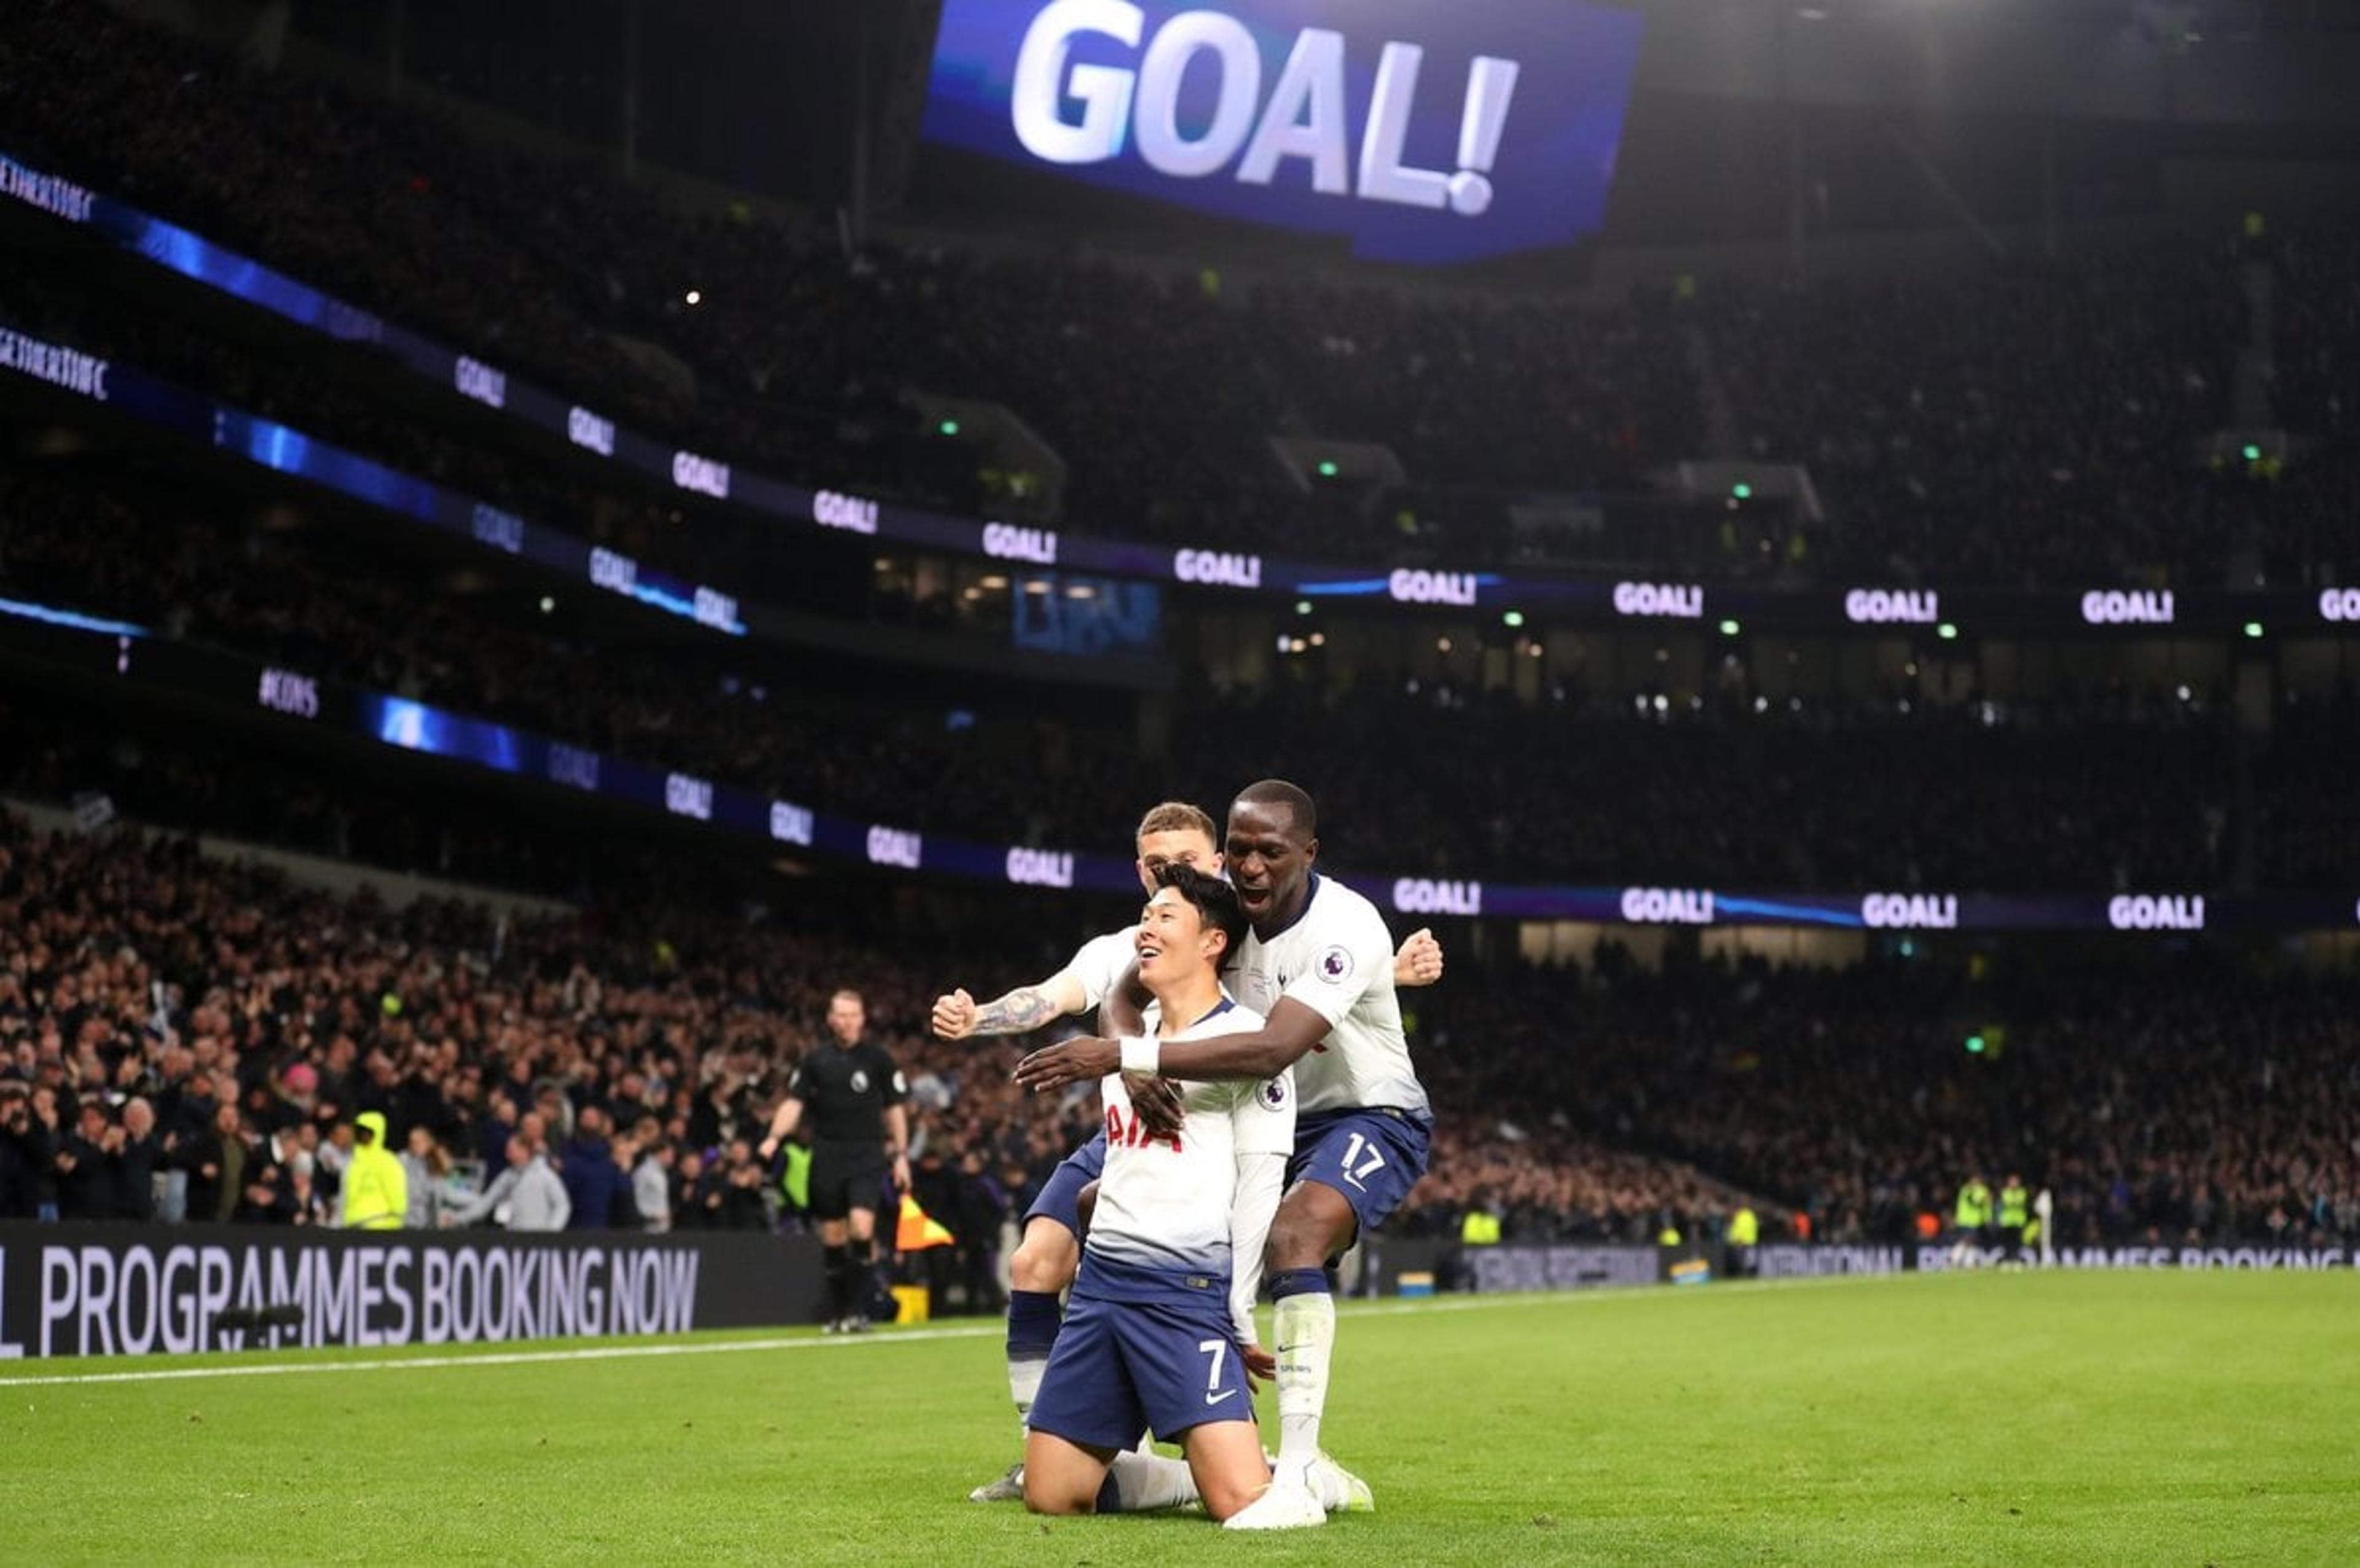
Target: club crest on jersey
(1334, 965)
(1272, 1093)
(860, 1082)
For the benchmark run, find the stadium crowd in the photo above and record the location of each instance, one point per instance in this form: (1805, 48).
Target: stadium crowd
(753, 558)
(2099, 788)
(232, 1007)
(187, 1040)
(166, 1015)
(2106, 789)
(2161, 1100)
(2033, 424)
(141, 554)
(2036, 421)
(163, 1014)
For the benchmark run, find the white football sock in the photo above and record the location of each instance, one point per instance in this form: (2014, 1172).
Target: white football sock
(1024, 1385)
(1144, 1481)
(1305, 1333)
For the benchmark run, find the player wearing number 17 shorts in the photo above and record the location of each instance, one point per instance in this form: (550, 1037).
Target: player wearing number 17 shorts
(1172, 833)
(1317, 964)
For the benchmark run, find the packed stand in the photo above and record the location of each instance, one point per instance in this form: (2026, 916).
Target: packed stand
(1525, 395)
(2103, 791)
(758, 559)
(138, 552)
(801, 353)
(2036, 423)
(2167, 1100)
(2098, 792)
(161, 1013)
(2101, 795)
(175, 1014)
(168, 1015)
(532, 264)
(2303, 523)
(2316, 343)
(1547, 1184)
(543, 266)
(2305, 833)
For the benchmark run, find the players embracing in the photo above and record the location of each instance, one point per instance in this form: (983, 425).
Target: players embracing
(1049, 1249)
(1162, 1307)
(1044, 1263)
(1318, 964)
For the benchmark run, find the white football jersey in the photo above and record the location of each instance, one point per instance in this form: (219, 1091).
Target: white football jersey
(1098, 963)
(1163, 1207)
(1337, 960)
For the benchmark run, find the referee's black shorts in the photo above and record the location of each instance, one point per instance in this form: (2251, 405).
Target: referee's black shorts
(845, 1177)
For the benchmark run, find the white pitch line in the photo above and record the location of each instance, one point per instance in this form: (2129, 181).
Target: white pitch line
(495, 1359)
(898, 1336)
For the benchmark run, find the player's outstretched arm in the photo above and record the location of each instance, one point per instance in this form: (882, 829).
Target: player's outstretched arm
(958, 1016)
(1419, 962)
(1292, 1030)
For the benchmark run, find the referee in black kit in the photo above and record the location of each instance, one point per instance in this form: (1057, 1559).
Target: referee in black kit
(854, 1093)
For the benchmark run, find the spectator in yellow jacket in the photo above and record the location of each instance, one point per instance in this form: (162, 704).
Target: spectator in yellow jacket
(376, 1189)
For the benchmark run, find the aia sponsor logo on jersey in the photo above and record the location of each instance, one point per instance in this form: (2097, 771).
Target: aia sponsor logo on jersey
(1130, 1132)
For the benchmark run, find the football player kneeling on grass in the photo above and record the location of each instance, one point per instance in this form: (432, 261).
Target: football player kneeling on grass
(1162, 1316)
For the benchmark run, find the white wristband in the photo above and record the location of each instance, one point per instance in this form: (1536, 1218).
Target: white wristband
(1141, 1054)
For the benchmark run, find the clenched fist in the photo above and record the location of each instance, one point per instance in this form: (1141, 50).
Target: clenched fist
(955, 1016)
(1419, 962)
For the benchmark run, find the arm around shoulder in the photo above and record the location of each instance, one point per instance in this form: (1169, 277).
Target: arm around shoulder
(1284, 1037)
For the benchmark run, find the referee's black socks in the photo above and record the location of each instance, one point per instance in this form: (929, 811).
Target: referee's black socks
(841, 1274)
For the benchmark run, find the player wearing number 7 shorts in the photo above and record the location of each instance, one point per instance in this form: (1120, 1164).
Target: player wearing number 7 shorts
(1171, 833)
(1163, 1308)
(1050, 1250)
(1316, 964)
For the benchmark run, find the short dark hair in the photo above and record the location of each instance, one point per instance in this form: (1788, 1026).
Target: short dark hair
(1279, 792)
(1215, 901)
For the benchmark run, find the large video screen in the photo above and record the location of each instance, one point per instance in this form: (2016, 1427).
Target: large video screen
(1424, 130)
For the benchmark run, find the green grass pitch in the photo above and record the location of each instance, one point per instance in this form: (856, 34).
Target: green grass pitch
(2161, 1418)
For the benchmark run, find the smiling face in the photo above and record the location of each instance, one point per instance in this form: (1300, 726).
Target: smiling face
(1173, 942)
(1270, 858)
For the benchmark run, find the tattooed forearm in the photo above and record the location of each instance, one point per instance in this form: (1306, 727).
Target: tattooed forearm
(1022, 1009)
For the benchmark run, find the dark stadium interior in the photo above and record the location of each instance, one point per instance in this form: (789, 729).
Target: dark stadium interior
(2015, 351)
